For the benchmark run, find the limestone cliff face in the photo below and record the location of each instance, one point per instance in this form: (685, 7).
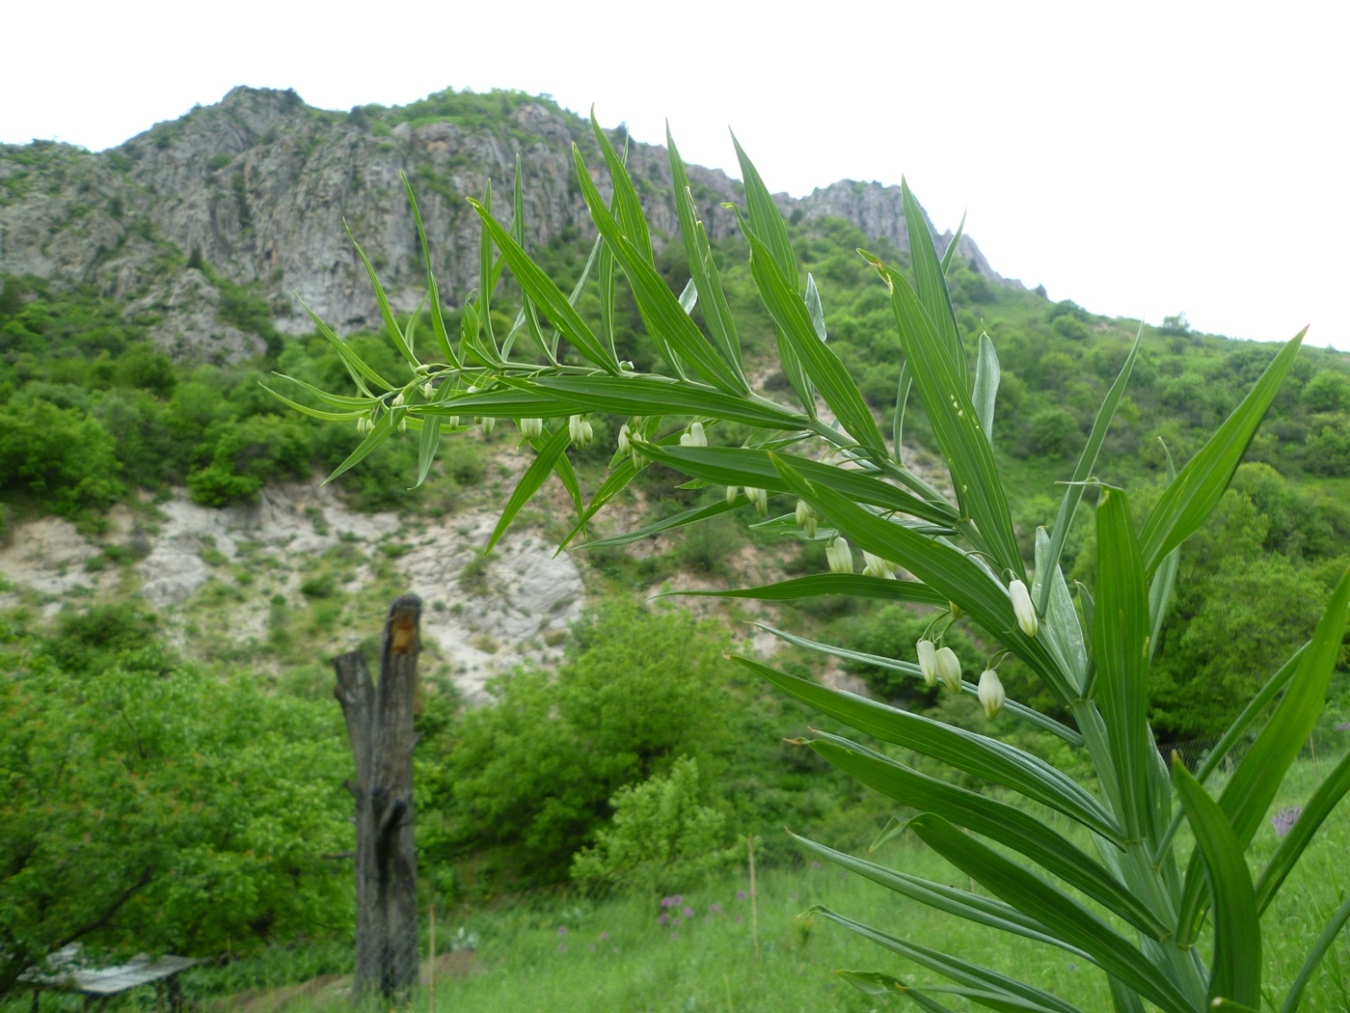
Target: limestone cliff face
(256, 189)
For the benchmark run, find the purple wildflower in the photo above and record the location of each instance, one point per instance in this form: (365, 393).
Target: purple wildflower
(715, 908)
(662, 918)
(1344, 726)
(674, 935)
(738, 918)
(677, 900)
(562, 930)
(667, 901)
(740, 895)
(562, 947)
(1284, 820)
(677, 920)
(815, 865)
(604, 937)
(688, 912)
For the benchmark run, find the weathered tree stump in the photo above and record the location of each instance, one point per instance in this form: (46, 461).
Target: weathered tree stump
(380, 726)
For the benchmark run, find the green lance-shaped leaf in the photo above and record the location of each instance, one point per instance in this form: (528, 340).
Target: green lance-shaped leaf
(1328, 795)
(1319, 950)
(356, 366)
(961, 971)
(823, 367)
(539, 470)
(383, 429)
(1120, 640)
(1190, 498)
(681, 519)
(390, 324)
(1009, 825)
(880, 983)
(1235, 972)
(702, 268)
(1059, 625)
(346, 415)
(1253, 786)
(665, 319)
(815, 308)
(1087, 460)
(339, 401)
(487, 281)
(1124, 998)
(433, 290)
(973, 907)
(902, 389)
(1012, 707)
(950, 255)
(820, 585)
(930, 280)
(1057, 911)
(651, 395)
(631, 218)
(767, 223)
(743, 466)
(540, 287)
(944, 391)
(985, 392)
(942, 567)
(989, 759)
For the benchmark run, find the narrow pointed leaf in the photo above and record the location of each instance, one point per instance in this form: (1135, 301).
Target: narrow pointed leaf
(985, 394)
(1319, 950)
(1328, 795)
(902, 389)
(539, 470)
(1196, 490)
(631, 218)
(1236, 968)
(426, 448)
(384, 429)
(1087, 460)
(1120, 640)
(433, 290)
(390, 324)
(356, 366)
(815, 308)
(822, 365)
(952, 247)
(678, 520)
(1006, 824)
(1059, 626)
(930, 280)
(539, 287)
(821, 584)
(961, 971)
(1057, 911)
(317, 413)
(992, 761)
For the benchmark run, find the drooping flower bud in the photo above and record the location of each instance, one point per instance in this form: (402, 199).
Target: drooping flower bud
(991, 693)
(364, 425)
(587, 433)
(949, 669)
(399, 399)
(532, 429)
(760, 498)
(452, 421)
(694, 436)
(580, 431)
(732, 492)
(403, 424)
(1021, 603)
(806, 518)
(875, 566)
(927, 662)
(840, 556)
(487, 423)
(625, 445)
(428, 390)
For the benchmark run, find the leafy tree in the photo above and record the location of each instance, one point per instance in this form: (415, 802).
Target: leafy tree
(661, 836)
(61, 457)
(147, 805)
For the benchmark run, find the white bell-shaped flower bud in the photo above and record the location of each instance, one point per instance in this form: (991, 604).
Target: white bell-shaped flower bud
(840, 556)
(806, 518)
(487, 423)
(1025, 611)
(587, 433)
(760, 498)
(428, 390)
(452, 421)
(625, 445)
(363, 425)
(403, 425)
(875, 566)
(732, 492)
(991, 693)
(532, 429)
(574, 430)
(927, 662)
(949, 669)
(697, 438)
(399, 399)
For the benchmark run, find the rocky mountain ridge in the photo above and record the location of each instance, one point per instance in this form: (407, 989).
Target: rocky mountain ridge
(255, 191)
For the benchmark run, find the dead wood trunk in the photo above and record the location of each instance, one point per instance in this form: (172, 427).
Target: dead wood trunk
(380, 726)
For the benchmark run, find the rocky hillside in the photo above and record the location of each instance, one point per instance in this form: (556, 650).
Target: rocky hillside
(254, 192)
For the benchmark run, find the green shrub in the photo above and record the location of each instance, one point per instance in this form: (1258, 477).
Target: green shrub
(61, 457)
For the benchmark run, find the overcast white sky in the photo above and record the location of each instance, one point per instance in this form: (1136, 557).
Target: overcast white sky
(1138, 158)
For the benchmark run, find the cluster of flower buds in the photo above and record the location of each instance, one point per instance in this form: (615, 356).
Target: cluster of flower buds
(875, 566)
(531, 429)
(487, 423)
(840, 556)
(694, 437)
(580, 431)
(1025, 611)
(760, 498)
(428, 390)
(939, 664)
(991, 693)
(732, 492)
(364, 424)
(806, 518)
